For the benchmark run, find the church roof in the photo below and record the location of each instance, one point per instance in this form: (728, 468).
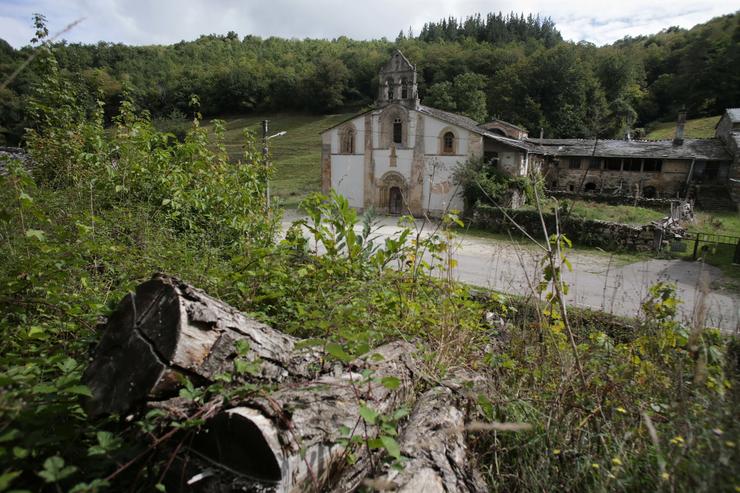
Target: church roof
(472, 125)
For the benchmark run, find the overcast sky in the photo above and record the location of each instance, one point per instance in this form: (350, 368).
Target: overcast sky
(168, 21)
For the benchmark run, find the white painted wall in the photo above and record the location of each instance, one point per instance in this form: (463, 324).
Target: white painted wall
(432, 130)
(403, 162)
(347, 177)
(440, 191)
(359, 124)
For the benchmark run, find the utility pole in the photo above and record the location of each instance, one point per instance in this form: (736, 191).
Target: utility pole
(265, 154)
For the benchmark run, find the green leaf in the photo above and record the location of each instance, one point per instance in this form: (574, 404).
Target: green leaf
(24, 197)
(6, 478)
(78, 390)
(368, 414)
(390, 382)
(9, 435)
(55, 470)
(36, 233)
(338, 352)
(391, 446)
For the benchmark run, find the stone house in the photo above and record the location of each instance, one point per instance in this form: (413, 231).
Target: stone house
(400, 156)
(681, 167)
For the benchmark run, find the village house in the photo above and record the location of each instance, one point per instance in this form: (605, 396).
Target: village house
(697, 168)
(400, 156)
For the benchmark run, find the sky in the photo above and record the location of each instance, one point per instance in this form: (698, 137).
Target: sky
(144, 22)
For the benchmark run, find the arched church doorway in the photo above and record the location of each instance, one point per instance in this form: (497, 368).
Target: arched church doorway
(395, 200)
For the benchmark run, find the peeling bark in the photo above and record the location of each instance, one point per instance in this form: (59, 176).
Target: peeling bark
(167, 329)
(434, 442)
(289, 440)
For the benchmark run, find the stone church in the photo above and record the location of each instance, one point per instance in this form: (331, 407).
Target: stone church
(400, 156)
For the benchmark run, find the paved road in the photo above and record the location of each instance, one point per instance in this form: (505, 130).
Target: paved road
(597, 281)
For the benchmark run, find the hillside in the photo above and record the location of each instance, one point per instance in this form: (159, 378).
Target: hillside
(698, 128)
(296, 155)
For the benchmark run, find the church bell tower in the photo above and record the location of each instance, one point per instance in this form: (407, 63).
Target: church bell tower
(397, 82)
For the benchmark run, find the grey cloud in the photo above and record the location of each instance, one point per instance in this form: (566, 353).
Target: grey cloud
(168, 21)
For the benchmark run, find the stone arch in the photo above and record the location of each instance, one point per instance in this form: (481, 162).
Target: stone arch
(392, 116)
(347, 139)
(590, 187)
(388, 184)
(390, 89)
(447, 146)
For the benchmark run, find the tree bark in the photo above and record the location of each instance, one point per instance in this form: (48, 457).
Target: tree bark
(434, 442)
(167, 329)
(290, 440)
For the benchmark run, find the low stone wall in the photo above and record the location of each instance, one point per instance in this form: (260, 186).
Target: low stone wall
(657, 204)
(602, 234)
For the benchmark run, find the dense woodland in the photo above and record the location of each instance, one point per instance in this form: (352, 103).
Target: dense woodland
(508, 66)
(563, 399)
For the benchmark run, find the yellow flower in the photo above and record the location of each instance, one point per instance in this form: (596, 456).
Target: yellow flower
(730, 443)
(595, 466)
(621, 410)
(616, 461)
(665, 476)
(556, 451)
(677, 440)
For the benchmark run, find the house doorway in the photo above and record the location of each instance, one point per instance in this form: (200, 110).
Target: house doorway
(395, 201)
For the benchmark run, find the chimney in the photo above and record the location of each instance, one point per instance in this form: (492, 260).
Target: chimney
(542, 133)
(678, 139)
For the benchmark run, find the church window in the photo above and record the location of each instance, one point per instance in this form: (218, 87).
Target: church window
(391, 93)
(397, 131)
(348, 141)
(404, 89)
(448, 146)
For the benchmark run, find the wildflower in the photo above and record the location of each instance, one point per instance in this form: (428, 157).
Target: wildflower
(718, 431)
(665, 476)
(595, 466)
(616, 461)
(621, 410)
(677, 440)
(556, 451)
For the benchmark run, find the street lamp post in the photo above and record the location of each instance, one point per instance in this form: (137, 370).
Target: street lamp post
(266, 154)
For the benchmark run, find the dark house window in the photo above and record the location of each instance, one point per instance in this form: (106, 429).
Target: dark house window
(632, 164)
(397, 131)
(449, 143)
(595, 163)
(574, 163)
(490, 157)
(613, 163)
(653, 165)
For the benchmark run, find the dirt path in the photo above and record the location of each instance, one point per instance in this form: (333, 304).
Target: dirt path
(597, 281)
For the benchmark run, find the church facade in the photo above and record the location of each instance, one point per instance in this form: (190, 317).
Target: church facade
(400, 157)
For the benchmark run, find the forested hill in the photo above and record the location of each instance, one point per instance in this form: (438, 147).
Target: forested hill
(509, 66)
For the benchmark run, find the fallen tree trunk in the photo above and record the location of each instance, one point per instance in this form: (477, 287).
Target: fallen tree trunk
(293, 439)
(434, 442)
(167, 329)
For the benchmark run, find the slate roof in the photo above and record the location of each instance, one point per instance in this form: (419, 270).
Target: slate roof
(496, 120)
(705, 149)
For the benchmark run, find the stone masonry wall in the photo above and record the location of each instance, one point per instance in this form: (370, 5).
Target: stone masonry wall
(657, 204)
(602, 234)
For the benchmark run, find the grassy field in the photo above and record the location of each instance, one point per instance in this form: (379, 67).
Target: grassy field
(700, 128)
(296, 155)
